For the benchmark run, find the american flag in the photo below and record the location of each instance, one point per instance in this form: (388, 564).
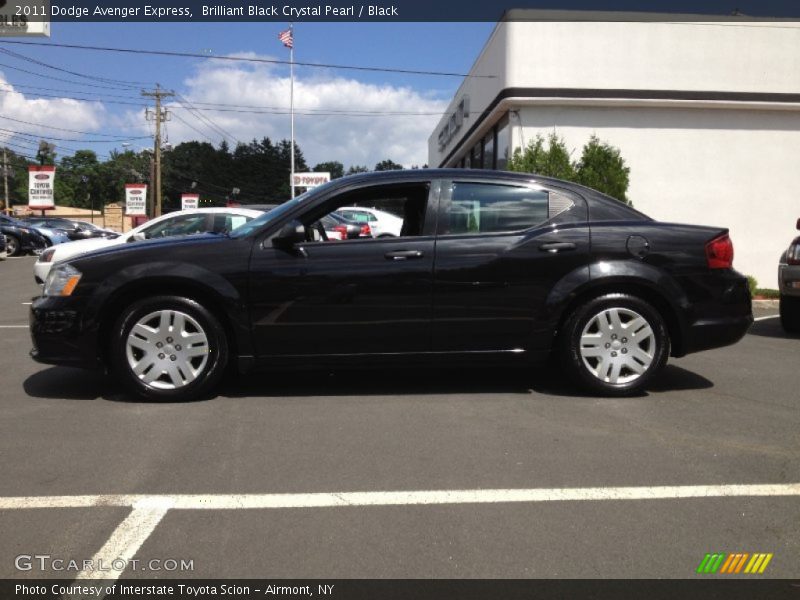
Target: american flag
(286, 38)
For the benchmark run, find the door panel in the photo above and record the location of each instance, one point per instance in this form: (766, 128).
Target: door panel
(490, 287)
(355, 296)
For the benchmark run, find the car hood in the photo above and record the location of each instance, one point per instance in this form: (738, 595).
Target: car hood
(116, 247)
(71, 249)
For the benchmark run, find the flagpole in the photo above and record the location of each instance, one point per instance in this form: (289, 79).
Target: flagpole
(291, 99)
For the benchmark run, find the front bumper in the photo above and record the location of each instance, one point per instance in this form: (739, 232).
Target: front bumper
(59, 335)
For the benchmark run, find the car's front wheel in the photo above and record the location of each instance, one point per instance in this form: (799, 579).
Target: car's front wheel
(13, 247)
(614, 344)
(169, 348)
(790, 314)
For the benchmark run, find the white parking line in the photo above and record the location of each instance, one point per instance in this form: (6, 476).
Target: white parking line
(767, 317)
(149, 510)
(127, 538)
(13, 326)
(400, 498)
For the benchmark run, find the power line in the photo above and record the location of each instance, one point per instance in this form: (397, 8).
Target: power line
(121, 137)
(54, 78)
(117, 82)
(60, 139)
(185, 104)
(177, 116)
(248, 59)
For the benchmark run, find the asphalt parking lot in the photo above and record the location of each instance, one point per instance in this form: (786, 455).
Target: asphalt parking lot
(263, 480)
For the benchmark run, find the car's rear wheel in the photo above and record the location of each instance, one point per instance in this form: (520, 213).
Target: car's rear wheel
(169, 348)
(790, 314)
(13, 247)
(614, 344)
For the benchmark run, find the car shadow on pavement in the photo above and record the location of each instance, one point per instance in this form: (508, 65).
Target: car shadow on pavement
(771, 328)
(74, 384)
(70, 384)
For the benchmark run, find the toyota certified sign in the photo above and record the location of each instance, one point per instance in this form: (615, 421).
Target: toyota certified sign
(135, 199)
(40, 187)
(190, 201)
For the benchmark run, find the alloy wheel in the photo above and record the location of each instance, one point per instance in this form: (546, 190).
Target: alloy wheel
(617, 345)
(167, 349)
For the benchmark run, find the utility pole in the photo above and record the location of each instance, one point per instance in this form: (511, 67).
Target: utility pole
(5, 181)
(158, 116)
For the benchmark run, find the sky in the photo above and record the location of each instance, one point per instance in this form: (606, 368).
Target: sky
(101, 96)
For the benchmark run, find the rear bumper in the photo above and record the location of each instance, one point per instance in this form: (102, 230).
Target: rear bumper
(720, 316)
(789, 280)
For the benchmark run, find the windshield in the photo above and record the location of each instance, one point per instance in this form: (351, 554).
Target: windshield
(267, 217)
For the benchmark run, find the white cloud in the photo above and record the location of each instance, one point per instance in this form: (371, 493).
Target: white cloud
(352, 140)
(25, 114)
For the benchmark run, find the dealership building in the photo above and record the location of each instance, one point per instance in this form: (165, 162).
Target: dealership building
(705, 114)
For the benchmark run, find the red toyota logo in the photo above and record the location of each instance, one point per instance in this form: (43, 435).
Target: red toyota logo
(42, 176)
(136, 191)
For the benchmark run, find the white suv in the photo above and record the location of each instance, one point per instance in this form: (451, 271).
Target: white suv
(380, 222)
(184, 222)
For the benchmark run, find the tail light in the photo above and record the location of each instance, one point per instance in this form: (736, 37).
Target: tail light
(366, 231)
(719, 252)
(341, 230)
(793, 254)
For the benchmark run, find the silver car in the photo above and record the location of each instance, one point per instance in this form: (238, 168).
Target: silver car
(789, 284)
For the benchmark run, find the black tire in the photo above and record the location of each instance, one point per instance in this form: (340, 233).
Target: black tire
(790, 314)
(196, 375)
(622, 365)
(13, 245)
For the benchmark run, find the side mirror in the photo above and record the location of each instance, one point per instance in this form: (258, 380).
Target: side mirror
(797, 225)
(139, 237)
(290, 234)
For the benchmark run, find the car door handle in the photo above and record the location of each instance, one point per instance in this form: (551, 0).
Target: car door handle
(554, 247)
(403, 255)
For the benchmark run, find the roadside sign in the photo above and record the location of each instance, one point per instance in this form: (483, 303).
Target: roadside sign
(190, 201)
(310, 180)
(135, 199)
(40, 187)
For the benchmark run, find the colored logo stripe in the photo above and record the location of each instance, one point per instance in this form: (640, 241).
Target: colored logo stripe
(734, 563)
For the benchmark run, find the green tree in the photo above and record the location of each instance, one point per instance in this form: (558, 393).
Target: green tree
(357, 169)
(602, 168)
(552, 161)
(334, 167)
(388, 165)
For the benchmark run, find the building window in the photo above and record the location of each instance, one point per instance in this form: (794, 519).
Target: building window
(488, 150)
(503, 143)
(477, 156)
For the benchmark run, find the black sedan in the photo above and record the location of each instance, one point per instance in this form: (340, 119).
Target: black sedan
(21, 237)
(487, 266)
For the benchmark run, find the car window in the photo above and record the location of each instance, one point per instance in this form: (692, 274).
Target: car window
(180, 225)
(224, 223)
(405, 205)
(494, 208)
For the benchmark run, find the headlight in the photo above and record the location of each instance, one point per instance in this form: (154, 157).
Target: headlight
(61, 281)
(47, 255)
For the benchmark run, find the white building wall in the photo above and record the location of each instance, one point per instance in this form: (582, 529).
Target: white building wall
(712, 167)
(729, 163)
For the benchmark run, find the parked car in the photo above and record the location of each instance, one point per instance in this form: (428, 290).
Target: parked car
(20, 237)
(789, 286)
(53, 236)
(3, 253)
(537, 267)
(75, 230)
(182, 222)
(381, 222)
